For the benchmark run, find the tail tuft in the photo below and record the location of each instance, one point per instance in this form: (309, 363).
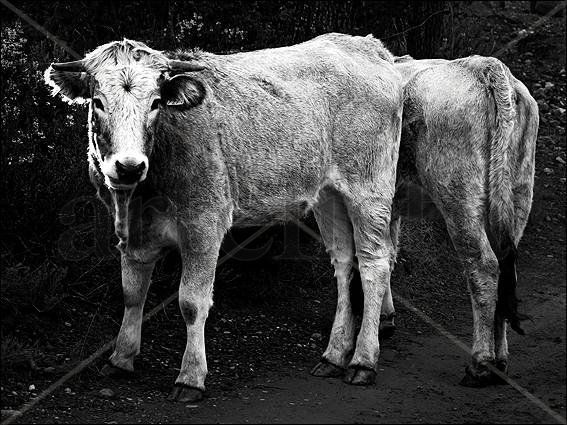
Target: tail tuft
(507, 305)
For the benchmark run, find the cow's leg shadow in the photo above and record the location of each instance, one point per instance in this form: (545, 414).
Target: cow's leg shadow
(336, 230)
(136, 277)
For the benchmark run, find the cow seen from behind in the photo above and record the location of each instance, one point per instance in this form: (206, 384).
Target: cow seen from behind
(468, 141)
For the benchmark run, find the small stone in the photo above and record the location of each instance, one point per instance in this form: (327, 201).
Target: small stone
(563, 180)
(316, 336)
(68, 390)
(31, 387)
(560, 160)
(549, 85)
(548, 171)
(107, 393)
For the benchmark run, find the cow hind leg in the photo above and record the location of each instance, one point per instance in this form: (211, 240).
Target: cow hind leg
(388, 313)
(136, 278)
(336, 231)
(481, 269)
(371, 220)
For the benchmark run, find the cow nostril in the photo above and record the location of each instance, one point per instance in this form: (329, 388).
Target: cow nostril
(129, 173)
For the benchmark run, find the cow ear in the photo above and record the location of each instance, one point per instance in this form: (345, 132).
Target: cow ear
(72, 86)
(182, 91)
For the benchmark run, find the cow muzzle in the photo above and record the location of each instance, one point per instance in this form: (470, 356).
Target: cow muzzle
(126, 172)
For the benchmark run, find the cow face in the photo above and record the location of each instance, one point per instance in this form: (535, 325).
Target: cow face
(126, 85)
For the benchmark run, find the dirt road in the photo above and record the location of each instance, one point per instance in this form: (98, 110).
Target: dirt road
(417, 381)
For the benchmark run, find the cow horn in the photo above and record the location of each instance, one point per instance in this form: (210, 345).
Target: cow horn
(182, 66)
(75, 66)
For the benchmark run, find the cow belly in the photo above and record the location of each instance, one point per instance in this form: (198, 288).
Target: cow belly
(271, 210)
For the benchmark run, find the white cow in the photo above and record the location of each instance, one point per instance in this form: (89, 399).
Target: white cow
(468, 140)
(182, 146)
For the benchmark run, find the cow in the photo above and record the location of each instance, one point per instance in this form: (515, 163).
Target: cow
(468, 147)
(185, 145)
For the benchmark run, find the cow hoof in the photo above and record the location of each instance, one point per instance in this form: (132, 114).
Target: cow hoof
(112, 371)
(326, 369)
(502, 366)
(477, 376)
(386, 331)
(387, 326)
(360, 376)
(185, 394)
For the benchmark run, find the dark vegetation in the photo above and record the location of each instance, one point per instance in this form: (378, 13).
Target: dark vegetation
(60, 284)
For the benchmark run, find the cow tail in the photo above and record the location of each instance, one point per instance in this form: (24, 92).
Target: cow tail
(501, 214)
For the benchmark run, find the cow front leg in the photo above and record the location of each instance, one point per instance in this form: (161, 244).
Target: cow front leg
(195, 300)
(387, 315)
(508, 278)
(136, 278)
(501, 345)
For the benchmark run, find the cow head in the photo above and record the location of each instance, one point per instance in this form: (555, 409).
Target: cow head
(126, 85)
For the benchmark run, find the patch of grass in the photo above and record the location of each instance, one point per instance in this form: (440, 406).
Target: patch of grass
(15, 353)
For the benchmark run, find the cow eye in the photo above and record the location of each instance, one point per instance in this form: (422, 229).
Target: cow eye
(98, 104)
(155, 104)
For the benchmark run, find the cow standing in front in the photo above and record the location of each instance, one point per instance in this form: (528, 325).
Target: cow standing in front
(468, 140)
(183, 146)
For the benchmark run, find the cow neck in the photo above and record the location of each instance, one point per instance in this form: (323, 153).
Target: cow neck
(121, 200)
